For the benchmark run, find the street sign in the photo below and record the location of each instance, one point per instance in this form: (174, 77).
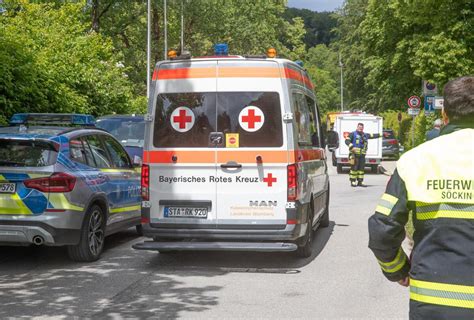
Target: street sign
(413, 111)
(414, 102)
(399, 117)
(438, 103)
(429, 89)
(429, 104)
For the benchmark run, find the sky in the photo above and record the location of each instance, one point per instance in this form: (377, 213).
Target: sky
(316, 5)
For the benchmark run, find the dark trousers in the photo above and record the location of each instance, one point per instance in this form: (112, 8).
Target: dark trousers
(357, 169)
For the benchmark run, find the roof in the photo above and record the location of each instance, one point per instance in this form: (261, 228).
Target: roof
(121, 116)
(39, 132)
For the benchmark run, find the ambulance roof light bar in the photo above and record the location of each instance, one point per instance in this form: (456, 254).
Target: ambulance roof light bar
(221, 49)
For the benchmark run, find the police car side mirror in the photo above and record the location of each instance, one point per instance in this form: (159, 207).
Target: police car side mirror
(137, 161)
(332, 140)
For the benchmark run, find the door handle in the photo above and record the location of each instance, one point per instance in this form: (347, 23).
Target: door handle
(231, 165)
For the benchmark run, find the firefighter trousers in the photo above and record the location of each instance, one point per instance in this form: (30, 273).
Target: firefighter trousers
(357, 169)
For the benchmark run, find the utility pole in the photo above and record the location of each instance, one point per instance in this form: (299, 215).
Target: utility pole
(182, 26)
(165, 21)
(148, 49)
(342, 83)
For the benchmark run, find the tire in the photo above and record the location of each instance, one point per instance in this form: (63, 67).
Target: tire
(139, 230)
(92, 240)
(306, 248)
(339, 168)
(325, 218)
(374, 168)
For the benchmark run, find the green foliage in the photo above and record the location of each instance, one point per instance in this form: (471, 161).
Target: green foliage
(51, 63)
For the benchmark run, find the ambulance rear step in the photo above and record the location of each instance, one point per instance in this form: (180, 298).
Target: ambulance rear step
(217, 246)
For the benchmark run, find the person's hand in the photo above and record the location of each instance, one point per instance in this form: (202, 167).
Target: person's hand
(355, 150)
(404, 282)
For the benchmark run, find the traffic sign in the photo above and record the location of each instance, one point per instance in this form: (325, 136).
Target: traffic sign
(429, 89)
(399, 117)
(414, 111)
(414, 102)
(438, 102)
(429, 104)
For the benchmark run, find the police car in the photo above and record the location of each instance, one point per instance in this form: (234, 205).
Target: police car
(63, 185)
(234, 156)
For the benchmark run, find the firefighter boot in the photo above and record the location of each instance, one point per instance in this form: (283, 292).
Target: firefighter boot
(360, 183)
(353, 183)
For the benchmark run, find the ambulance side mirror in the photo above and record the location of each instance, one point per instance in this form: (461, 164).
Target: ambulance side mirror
(332, 140)
(137, 161)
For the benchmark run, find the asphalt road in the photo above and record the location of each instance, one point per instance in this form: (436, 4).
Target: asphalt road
(341, 280)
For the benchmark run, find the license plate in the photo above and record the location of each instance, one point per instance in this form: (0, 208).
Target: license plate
(185, 212)
(7, 187)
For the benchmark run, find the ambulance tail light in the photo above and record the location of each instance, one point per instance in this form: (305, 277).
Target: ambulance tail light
(292, 182)
(145, 182)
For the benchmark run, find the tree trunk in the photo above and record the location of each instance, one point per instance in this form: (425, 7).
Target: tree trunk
(95, 16)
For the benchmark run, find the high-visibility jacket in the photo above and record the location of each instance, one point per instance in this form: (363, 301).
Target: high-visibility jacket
(358, 140)
(435, 183)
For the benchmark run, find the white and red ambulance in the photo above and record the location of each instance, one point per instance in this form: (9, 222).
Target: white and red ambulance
(234, 157)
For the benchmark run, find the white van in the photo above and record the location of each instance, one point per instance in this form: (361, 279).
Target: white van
(234, 157)
(344, 125)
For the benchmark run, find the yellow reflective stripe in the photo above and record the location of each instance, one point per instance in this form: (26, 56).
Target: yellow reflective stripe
(388, 197)
(442, 301)
(59, 201)
(117, 170)
(396, 264)
(2, 178)
(123, 209)
(12, 204)
(445, 214)
(383, 210)
(442, 286)
(442, 293)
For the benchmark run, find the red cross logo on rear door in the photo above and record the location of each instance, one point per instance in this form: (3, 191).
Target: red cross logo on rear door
(182, 119)
(251, 119)
(270, 179)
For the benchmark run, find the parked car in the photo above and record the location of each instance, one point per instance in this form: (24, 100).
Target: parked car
(129, 130)
(59, 185)
(390, 145)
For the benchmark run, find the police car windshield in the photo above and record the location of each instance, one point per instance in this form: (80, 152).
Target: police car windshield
(129, 131)
(251, 119)
(26, 153)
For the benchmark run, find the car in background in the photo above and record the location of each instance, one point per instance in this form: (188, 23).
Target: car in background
(129, 130)
(63, 185)
(390, 145)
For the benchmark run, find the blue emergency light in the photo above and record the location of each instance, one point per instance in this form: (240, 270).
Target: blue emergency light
(52, 119)
(221, 49)
(300, 63)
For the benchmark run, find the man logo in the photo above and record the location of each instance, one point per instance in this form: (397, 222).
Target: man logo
(263, 203)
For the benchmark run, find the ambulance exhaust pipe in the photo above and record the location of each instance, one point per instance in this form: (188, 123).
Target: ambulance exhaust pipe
(38, 240)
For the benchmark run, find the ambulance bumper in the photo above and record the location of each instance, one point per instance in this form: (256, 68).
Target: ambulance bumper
(217, 246)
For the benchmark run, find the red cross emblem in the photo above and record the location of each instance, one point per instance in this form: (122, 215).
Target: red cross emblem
(251, 118)
(270, 179)
(182, 119)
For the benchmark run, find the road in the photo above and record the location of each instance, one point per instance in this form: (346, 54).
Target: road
(341, 280)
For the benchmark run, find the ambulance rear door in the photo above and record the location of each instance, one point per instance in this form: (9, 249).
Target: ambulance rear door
(252, 161)
(181, 152)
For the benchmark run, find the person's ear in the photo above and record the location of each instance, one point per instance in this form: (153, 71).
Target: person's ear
(445, 117)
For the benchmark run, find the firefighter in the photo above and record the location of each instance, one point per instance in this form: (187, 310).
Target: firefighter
(357, 142)
(435, 182)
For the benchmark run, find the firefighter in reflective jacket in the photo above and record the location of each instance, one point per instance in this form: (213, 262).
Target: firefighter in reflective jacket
(433, 182)
(357, 142)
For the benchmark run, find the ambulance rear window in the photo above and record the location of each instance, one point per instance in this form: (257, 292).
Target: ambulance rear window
(247, 119)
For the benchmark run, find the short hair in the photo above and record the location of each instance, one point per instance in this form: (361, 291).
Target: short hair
(459, 98)
(438, 123)
(360, 124)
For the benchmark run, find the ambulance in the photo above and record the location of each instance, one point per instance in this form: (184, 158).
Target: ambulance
(234, 156)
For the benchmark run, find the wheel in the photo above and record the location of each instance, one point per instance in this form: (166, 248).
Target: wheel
(339, 168)
(139, 229)
(91, 244)
(305, 249)
(374, 168)
(325, 218)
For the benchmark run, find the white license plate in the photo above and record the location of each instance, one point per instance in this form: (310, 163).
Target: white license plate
(185, 212)
(7, 187)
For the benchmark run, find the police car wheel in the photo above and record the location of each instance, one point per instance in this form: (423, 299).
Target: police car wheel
(91, 244)
(374, 168)
(139, 229)
(305, 249)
